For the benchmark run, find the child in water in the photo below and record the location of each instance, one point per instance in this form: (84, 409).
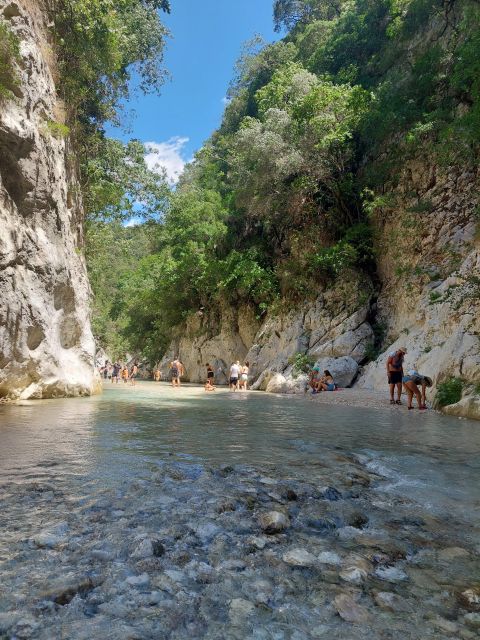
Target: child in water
(209, 386)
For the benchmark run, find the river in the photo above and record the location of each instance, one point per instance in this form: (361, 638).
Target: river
(149, 512)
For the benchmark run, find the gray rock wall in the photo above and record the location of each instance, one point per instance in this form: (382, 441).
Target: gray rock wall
(429, 266)
(46, 345)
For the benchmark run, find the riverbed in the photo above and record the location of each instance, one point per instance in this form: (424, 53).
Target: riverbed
(152, 512)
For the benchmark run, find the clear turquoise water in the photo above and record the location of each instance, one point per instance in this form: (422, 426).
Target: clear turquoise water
(126, 432)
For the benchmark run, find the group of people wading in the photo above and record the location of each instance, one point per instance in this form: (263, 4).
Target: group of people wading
(414, 384)
(238, 378)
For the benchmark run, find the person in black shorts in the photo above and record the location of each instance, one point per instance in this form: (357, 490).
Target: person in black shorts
(210, 374)
(395, 373)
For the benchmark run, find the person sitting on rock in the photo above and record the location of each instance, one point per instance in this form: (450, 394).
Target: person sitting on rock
(326, 382)
(313, 378)
(411, 382)
(395, 373)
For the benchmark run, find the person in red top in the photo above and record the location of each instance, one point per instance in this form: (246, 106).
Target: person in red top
(395, 373)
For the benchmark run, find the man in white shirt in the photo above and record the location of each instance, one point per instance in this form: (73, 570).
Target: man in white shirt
(234, 375)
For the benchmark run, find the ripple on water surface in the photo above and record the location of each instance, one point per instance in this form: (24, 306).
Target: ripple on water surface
(82, 481)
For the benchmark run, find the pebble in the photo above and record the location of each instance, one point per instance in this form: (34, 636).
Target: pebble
(138, 581)
(355, 575)
(240, 609)
(470, 599)
(391, 574)
(453, 553)
(348, 609)
(273, 522)
(329, 557)
(391, 602)
(472, 620)
(299, 558)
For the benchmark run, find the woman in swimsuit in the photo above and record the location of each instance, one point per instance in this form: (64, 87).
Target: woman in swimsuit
(410, 383)
(243, 382)
(326, 382)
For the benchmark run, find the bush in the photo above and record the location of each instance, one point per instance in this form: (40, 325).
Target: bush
(449, 392)
(302, 363)
(9, 55)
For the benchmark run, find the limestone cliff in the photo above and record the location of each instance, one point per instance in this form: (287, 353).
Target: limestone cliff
(46, 345)
(429, 269)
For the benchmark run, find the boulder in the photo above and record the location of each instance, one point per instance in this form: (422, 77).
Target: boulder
(343, 370)
(273, 522)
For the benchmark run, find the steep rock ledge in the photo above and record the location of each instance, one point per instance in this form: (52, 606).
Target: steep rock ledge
(46, 344)
(429, 268)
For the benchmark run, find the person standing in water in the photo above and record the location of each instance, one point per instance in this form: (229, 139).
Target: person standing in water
(210, 374)
(134, 373)
(177, 370)
(243, 382)
(234, 375)
(115, 372)
(157, 375)
(395, 373)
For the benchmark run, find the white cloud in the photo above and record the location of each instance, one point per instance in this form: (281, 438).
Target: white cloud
(132, 222)
(167, 156)
(225, 101)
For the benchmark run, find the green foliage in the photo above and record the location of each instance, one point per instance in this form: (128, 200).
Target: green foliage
(280, 201)
(101, 44)
(57, 129)
(449, 392)
(301, 363)
(115, 179)
(9, 55)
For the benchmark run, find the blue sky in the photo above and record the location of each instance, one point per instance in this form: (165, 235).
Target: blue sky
(206, 40)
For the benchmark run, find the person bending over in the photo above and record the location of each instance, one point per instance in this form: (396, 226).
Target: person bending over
(411, 383)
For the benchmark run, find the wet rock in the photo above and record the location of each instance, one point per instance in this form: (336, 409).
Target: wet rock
(299, 558)
(7, 620)
(138, 581)
(391, 574)
(147, 548)
(332, 494)
(206, 531)
(450, 554)
(327, 524)
(357, 520)
(240, 609)
(470, 599)
(63, 590)
(291, 495)
(348, 609)
(329, 557)
(391, 602)
(25, 628)
(444, 625)
(258, 542)
(472, 620)
(51, 538)
(273, 522)
(354, 575)
(225, 506)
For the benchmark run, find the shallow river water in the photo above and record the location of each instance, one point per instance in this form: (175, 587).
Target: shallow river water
(153, 512)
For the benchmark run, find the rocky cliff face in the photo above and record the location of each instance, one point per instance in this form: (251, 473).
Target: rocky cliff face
(429, 268)
(46, 345)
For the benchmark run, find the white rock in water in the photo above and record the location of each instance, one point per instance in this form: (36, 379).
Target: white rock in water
(273, 521)
(329, 557)
(354, 575)
(138, 581)
(391, 602)
(48, 540)
(391, 574)
(207, 531)
(299, 558)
